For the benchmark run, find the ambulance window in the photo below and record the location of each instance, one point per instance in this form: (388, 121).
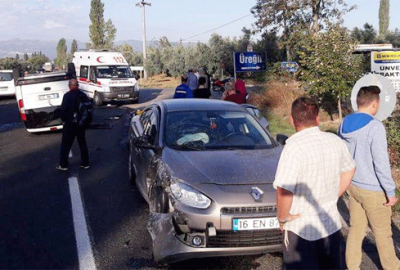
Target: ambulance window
(84, 71)
(93, 76)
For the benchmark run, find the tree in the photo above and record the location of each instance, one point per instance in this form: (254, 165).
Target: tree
(393, 37)
(329, 69)
(26, 57)
(384, 17)
(366, 35)
(109, 32)
(74, 47)
(62, 54)
(294, 15)
(133, 58)
(102, 34)
(37, 61)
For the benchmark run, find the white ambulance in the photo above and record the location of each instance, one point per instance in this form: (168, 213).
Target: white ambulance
(7, 87)
(105, 76)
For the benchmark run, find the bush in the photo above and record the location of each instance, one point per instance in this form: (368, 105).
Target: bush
(393, 137)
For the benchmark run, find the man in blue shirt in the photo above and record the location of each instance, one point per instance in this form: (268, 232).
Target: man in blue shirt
(183, 91)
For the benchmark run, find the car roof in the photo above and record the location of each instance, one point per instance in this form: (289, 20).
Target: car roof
(183, 104)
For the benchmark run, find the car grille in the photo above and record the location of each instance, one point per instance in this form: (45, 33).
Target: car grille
(248, 210)
(122, 88)
(245, 238)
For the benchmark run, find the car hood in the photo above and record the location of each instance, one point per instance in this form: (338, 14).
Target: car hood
(229, 167)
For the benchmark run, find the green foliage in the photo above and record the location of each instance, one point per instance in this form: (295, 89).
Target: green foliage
(37, 61)
(290, 16)
(175, 60)
(367, 35)
(133, 58)
(9, 63)
(328, 68)
(393, 136)
(62, 56)
(102, 34)
(74, 47)
(393, 37)
(384, 9)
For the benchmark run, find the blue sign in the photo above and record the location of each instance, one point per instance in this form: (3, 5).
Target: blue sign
(250, 61)
(290, 66)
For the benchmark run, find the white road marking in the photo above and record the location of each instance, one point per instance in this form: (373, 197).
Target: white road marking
(70, 153)
(85, 253)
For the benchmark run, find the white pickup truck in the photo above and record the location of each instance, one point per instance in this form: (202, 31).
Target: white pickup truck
(39, 98)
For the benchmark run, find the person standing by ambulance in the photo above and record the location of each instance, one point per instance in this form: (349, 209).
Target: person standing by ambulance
(72, 129)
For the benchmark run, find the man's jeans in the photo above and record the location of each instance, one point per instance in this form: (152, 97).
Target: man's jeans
(368, 206)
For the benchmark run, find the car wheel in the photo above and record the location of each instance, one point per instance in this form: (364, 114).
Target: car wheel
(159, 200)
(97, 100)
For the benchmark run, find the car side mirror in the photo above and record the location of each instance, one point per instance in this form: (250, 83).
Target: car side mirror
(281, 138)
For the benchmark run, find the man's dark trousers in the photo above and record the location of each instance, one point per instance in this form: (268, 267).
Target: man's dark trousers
(70, 131)
(325, 253)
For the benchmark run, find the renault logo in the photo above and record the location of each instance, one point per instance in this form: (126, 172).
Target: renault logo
(257, 194)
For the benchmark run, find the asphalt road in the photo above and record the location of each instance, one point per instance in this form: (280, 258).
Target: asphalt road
(47, 222)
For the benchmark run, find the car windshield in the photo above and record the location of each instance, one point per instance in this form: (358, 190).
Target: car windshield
(215, 130)
(6, 76)
(114, 72)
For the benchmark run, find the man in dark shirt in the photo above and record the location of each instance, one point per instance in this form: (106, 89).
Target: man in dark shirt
(72, 129)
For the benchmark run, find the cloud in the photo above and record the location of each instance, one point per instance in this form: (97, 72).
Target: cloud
(48, 24)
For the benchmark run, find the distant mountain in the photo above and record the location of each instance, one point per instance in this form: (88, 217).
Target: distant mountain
(11, 47)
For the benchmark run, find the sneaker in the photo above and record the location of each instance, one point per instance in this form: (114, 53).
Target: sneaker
(61, 168)
(84, 167)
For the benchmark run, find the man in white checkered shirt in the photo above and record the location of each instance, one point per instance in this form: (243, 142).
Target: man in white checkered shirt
(314, 170)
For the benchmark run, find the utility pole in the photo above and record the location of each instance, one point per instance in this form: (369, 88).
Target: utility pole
(143, 4)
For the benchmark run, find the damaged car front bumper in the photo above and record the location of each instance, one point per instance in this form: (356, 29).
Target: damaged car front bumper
(170, 244)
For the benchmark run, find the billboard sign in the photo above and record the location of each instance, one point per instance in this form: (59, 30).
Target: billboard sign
(387, 64)
(250, 61)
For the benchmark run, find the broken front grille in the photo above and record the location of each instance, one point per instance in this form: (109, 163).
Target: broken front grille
(245, 238)
(248, 210)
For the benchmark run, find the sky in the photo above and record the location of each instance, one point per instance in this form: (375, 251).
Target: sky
(175, 19)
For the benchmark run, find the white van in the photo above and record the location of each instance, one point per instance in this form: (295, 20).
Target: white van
(7, 87)
(105, 75)
(39, 98)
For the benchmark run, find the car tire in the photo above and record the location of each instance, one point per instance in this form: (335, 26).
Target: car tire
(97, 100)
(159, 201)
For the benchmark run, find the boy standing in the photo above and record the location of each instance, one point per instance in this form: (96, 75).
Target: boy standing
(372, 192)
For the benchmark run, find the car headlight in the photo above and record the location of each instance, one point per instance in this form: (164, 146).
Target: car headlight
(189, 196)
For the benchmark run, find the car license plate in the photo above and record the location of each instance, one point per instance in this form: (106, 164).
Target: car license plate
(50, 96)
(123, 95)
(248, 224)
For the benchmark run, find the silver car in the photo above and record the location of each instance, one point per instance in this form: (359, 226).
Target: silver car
(206, 169)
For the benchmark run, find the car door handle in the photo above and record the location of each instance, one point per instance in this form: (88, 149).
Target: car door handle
(47, 88)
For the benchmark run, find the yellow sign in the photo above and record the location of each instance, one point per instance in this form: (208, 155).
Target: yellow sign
(387, 57)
